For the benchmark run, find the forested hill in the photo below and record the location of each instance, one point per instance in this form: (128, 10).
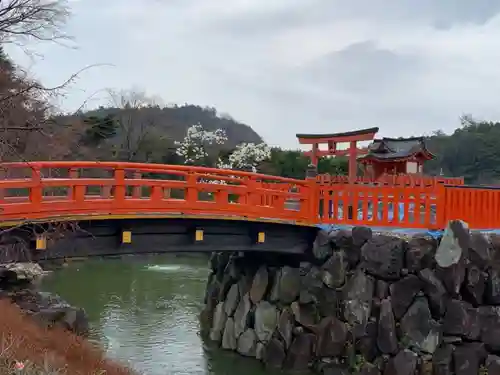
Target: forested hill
(471, 151)
(173, 121)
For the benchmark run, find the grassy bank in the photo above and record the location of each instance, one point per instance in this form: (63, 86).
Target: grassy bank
(27, 348)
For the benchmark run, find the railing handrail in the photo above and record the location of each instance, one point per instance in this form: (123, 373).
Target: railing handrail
(149, 167)
(258, 195)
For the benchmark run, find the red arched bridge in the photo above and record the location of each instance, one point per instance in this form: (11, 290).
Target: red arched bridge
(149, 207)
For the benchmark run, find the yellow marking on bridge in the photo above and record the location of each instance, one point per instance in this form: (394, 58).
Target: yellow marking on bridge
(41, 243)
(199, 235)
(126, 236)
(90, 217)
(261, 237)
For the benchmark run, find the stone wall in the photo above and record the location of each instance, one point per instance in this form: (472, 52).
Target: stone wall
(365, 304)
(19, 283)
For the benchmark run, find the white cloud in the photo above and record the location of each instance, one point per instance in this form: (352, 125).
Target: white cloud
(288, 66)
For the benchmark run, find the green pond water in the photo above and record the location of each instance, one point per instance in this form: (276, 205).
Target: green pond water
(144, 313)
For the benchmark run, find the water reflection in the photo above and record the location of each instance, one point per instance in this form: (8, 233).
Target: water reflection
(145, 313)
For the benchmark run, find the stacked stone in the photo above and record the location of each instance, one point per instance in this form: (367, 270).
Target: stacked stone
(18, 284)
(365, 304)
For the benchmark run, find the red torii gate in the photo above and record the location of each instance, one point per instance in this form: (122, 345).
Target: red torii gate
(352, 137)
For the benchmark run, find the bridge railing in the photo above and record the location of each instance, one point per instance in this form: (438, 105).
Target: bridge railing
(392, 180)
(46, 190)
(380, 206)
(39, 190)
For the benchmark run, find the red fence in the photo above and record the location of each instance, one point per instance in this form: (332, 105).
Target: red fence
(393, 180)
(50, 190)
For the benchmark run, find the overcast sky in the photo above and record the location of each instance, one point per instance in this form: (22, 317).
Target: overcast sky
(288, 66)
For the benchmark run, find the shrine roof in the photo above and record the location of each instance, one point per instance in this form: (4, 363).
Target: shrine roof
(390, 149)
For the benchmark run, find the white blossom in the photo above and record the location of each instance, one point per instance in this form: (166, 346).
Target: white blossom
(193, 147)
(245, 156)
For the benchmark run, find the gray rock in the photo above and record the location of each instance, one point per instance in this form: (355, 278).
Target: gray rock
(285, 326)
(383, 256)
(259, 285)
(368, 369)
(300, 353)
(461, 319)
(305, 315)
(334, 270)
(332, 337)
(404, 363)
(474, 286)
(274, 354)
(420, 252)
(247, 343)
(259, 351)
(493, 364)
(322, 247)
(387, 340)
(403, 292)
(468, 357)
(361, 235)
(492, 293)
(266, 320)
(241, 315)
(219, 323)
(452, 254)
(229, 338)
(381, 289)
(28, 272)
(442, 360)
(435, 291)
(417, 327)
(358, 295)
(489, 317)
(480, 250)
(287, 285)
(232, 300)
(367, 344)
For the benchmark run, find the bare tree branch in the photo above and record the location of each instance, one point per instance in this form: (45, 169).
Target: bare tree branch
(33, 19)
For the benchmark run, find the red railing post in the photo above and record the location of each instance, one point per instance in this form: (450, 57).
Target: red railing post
(119, 185)
(440, 206)
(313, 199)
(36, 190)
(191, 188)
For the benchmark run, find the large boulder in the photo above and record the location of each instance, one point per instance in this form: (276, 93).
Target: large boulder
(322, 246)
(404, 363)
(266, 320)
(383, 256)
(358, 295)
(387, 340)
(420, 252)
(259, 285)
(300, 352)
(229, 338)
(247, 343)
(232, 300)
(461, 319)
(21, 272)
(332, 337)
(452, 254)
(286, 287)
(421, 332)
(241, 315)
(285, 326)
(219, 323)
(274, 354)
(403, 293)
(334, 270)
(435, 292)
